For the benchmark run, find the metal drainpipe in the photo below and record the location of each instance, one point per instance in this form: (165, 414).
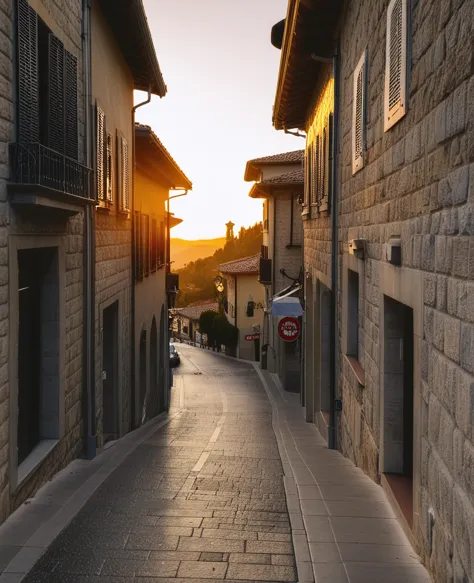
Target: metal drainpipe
(332, 433)
(132, 355)
(90, 444)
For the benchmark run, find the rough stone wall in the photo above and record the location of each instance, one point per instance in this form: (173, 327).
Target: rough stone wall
(418, 182)
(66, 14)
(6, 132)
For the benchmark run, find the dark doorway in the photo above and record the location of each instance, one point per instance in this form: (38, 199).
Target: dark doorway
(142, 408)
(163, 349)
(325, 349)
(38, 348)
(153, 369)
(398, 403)
(257, 349)
(110, 374)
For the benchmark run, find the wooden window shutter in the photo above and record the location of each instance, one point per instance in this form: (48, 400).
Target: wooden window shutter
(101, 154)
(56, 114)
(359, 108)
(153, 245)
(395, 105)
(28, 81)
(145, 231)
(162, 243)
(138, 246)
(109, 174)
(71, 109)
(314, 170)
(307, 159)
(125, 178)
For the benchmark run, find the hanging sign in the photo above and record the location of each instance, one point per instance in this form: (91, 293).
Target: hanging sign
(289, 329)
(250, 337)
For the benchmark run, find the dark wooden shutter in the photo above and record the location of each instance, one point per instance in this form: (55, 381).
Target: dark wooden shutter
(71, 109)
(56, 113)
(330, 154)
(28, 81)
(125, 179)
(109, 170)
(100, 153)
(153, 243)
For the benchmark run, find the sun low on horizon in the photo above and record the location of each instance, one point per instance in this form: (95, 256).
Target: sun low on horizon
(221, 73)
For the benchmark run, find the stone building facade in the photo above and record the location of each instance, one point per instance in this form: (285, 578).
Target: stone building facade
(41, 227)
(279, 181)
(402, 163)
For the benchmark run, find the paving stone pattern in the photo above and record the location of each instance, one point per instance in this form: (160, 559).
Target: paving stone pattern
(203, 498)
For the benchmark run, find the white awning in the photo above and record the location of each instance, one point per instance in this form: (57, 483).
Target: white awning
(285, 305)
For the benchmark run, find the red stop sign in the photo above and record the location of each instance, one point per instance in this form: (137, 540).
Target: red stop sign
(289, 329)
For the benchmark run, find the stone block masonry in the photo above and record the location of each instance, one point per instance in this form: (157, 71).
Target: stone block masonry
(417, 184)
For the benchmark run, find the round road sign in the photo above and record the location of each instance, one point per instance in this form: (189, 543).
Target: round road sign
(289, 329)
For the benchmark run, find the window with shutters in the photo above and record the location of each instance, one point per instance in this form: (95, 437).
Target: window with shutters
(314, 170)
(138, 246)
(125, 175)
(395, 100)
(101, 155)
(109, 170)
(162, 245)
(154, 245)
(47, 86)
(359, 108)
(145, 240)
(307, 174)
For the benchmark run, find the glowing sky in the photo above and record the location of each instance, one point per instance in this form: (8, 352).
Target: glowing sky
(221, 72)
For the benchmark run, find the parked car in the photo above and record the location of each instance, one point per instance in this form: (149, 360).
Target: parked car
(174, 356)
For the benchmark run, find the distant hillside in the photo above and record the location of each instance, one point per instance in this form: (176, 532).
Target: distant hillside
(196, 279)
(184, 251)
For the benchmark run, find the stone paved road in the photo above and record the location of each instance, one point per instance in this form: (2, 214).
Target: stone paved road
(202, 498)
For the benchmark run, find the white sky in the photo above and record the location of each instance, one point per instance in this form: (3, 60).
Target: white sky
(221, 72)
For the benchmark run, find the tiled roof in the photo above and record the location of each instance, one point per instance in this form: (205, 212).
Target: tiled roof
(246, 265)
(145, 129)
(194, 311)
(294, 157)
(295, 177)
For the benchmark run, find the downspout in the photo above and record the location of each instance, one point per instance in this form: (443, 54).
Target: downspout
(90, 444)
(332, 433)
(133, 351)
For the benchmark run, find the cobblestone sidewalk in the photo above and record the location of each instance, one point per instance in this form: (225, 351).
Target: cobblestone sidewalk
(202, 498)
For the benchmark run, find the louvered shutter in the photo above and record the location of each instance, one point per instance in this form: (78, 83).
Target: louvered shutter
(56, 114)
(146, 244)
(306, 177)
(28, 83)
(70, 105)
(359, 115)
(162, 243)
(137, 246)
(314, 170)
(125, 178)
(109, 173)
(153, 245)
(395, 63)
(100, 154)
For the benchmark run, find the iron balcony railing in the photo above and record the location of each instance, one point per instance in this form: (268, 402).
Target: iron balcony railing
(36, 165)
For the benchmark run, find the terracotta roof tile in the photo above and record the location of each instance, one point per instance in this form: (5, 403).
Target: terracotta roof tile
(295, 177)
(294, 157)
(247, 265)
(193, 312)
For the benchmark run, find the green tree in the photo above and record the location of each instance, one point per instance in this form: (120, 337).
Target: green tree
(206, 320)
(224, 332)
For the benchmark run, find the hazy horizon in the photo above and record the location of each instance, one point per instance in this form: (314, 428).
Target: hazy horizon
(221, 72)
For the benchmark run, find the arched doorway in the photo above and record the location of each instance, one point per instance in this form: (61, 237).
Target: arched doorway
(153, 398)
(141, 405)
(164, 350)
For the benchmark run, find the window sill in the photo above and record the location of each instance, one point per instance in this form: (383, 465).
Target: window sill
(104, 206)
(356, 369)
(125, 214)
(34, 460)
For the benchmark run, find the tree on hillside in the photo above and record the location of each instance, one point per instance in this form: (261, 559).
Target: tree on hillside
(196, 279)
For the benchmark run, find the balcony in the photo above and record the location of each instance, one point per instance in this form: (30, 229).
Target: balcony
(42, 177)
(265, 273)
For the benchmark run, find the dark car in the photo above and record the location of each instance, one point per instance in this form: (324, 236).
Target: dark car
(174, 356)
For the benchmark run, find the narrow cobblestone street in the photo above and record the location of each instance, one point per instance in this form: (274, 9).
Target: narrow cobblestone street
(202, 498)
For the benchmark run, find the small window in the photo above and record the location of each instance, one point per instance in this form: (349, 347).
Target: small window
(359, 115)
(353, 314)
(109, 170)
(395, 101)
